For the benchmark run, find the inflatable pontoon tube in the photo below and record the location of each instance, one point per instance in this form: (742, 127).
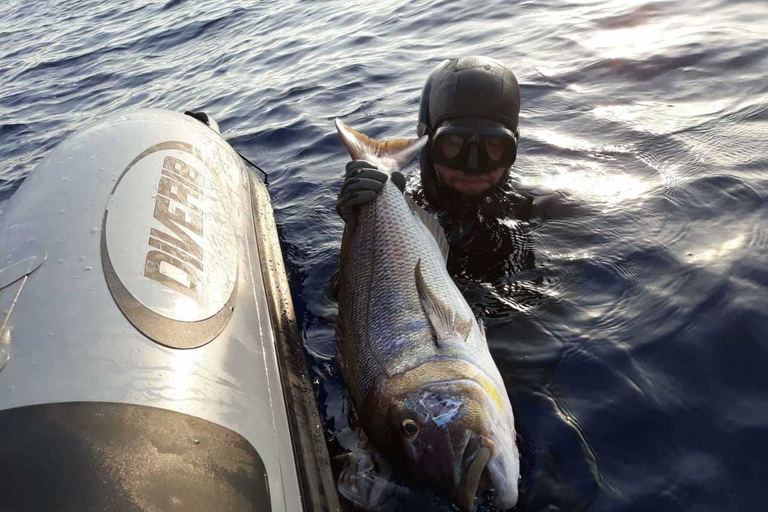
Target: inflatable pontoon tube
(149, 356)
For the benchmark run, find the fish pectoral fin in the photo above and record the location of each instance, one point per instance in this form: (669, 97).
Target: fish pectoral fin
(445, 322)
(432, 225)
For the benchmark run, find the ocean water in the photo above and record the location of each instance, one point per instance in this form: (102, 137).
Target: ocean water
(634, 339)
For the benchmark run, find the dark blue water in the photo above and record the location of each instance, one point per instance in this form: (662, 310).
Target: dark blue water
(634, 338)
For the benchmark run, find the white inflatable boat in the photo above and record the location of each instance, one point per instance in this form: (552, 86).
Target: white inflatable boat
(149, 354)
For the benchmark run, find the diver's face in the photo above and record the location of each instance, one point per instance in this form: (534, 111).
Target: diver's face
(469, 184)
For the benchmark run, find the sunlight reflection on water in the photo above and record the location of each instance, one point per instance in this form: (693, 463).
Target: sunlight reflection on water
(596, 184)
(720, 251)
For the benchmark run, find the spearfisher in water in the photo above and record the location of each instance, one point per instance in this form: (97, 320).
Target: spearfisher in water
(469, 111)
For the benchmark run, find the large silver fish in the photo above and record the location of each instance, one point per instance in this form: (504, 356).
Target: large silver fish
(416, 361)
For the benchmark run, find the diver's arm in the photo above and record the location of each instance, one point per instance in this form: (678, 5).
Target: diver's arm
(547, 203)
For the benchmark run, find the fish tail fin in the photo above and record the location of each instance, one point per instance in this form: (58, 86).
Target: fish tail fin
(391, 153)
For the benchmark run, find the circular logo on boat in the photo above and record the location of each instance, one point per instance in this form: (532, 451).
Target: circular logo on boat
(168, 245)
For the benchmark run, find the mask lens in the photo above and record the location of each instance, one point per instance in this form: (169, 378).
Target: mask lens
(496, 147)
(473, 147)
(450, 145)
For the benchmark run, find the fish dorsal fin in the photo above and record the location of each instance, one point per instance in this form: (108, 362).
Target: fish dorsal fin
(432, 225)
(445, 322)
(391, 154)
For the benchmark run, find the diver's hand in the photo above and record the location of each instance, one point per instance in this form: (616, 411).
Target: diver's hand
(362, 184)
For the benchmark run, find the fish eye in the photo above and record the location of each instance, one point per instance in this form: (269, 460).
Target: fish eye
(410, 428)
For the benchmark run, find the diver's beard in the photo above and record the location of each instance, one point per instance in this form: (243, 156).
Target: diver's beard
(455, 201)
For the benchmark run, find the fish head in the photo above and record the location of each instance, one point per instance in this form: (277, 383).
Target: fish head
(456, 438)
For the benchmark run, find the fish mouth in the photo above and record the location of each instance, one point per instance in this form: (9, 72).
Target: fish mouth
(475, 464)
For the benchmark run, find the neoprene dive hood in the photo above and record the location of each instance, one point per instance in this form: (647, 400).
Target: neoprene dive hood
(465, 88)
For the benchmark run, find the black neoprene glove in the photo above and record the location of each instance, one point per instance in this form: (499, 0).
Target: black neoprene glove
(362, 184)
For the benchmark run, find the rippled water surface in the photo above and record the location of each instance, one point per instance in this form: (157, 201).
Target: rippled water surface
(634, 340)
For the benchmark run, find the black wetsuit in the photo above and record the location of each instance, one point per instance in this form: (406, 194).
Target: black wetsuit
(488, 236)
